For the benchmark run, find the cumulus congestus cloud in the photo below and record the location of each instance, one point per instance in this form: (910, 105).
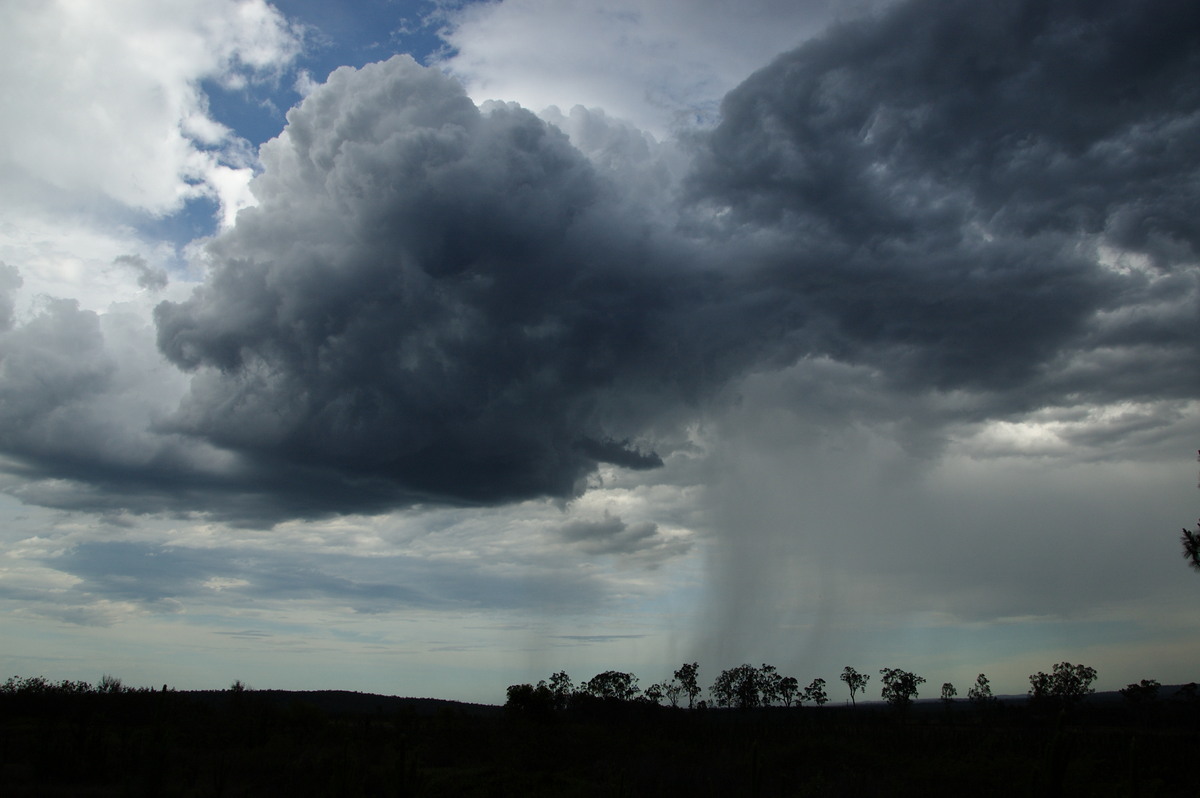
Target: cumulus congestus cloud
(445, 303)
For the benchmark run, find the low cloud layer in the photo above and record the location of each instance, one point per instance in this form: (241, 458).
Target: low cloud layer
(643, 543)
(434, 303)
(153, 578)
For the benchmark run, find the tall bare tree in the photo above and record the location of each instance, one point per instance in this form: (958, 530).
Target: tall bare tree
(857, 682)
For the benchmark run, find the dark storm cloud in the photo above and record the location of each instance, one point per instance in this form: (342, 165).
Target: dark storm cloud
(938, 181)
(1026, 115)
(451, 302)
(437, 304)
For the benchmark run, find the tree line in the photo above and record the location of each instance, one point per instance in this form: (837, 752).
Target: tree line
(748, 687)
(75, 738)
(742, 687)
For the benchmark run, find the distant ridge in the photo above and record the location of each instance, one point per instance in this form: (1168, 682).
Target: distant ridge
(347, 702)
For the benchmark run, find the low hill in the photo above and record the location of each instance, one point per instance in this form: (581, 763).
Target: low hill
(347, 702)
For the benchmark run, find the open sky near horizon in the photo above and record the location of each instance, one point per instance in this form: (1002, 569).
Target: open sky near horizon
(422, 348)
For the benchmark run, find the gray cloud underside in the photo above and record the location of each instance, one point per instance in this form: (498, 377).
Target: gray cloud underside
(148, 277)
(639, 542)
(438, 304)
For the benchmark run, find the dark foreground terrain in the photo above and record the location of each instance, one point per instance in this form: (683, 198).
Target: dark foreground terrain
(237, 743)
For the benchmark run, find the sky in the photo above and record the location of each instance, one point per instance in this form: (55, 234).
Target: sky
(424, 348)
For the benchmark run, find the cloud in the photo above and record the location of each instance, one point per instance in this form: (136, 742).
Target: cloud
(584, 639)
(660, 66)
(642, 542)
(50, 364)
(934, 199)
(889, 353)
(438, 303)
(10, 281)
(642, 165)
(80, 395)
(451, 303)
(149, 277)
(106, 134)
(105, 102)
(933, 193)
(148, 577)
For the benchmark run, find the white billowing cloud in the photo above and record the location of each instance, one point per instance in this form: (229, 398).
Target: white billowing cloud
(658, 65)
(103, 100)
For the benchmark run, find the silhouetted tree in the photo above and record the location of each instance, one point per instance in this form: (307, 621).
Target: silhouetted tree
(1191, 542)
(517, 695)
(722, 690)
(899, 686)
(1191, 546)
(981, 693)
(1144, 692)
(615, 685)
(561, 689)
(673, 691)
(788, 687)
(525, 699)
(109, 684)
(857, 682)
(40, 685)
(688, 678)
(737, 687)
(654, 693)
(815, 692)
(768, 684)
(1066, 685)
(948, 692)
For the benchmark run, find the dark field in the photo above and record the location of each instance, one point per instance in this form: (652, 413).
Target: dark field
(142, 743)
